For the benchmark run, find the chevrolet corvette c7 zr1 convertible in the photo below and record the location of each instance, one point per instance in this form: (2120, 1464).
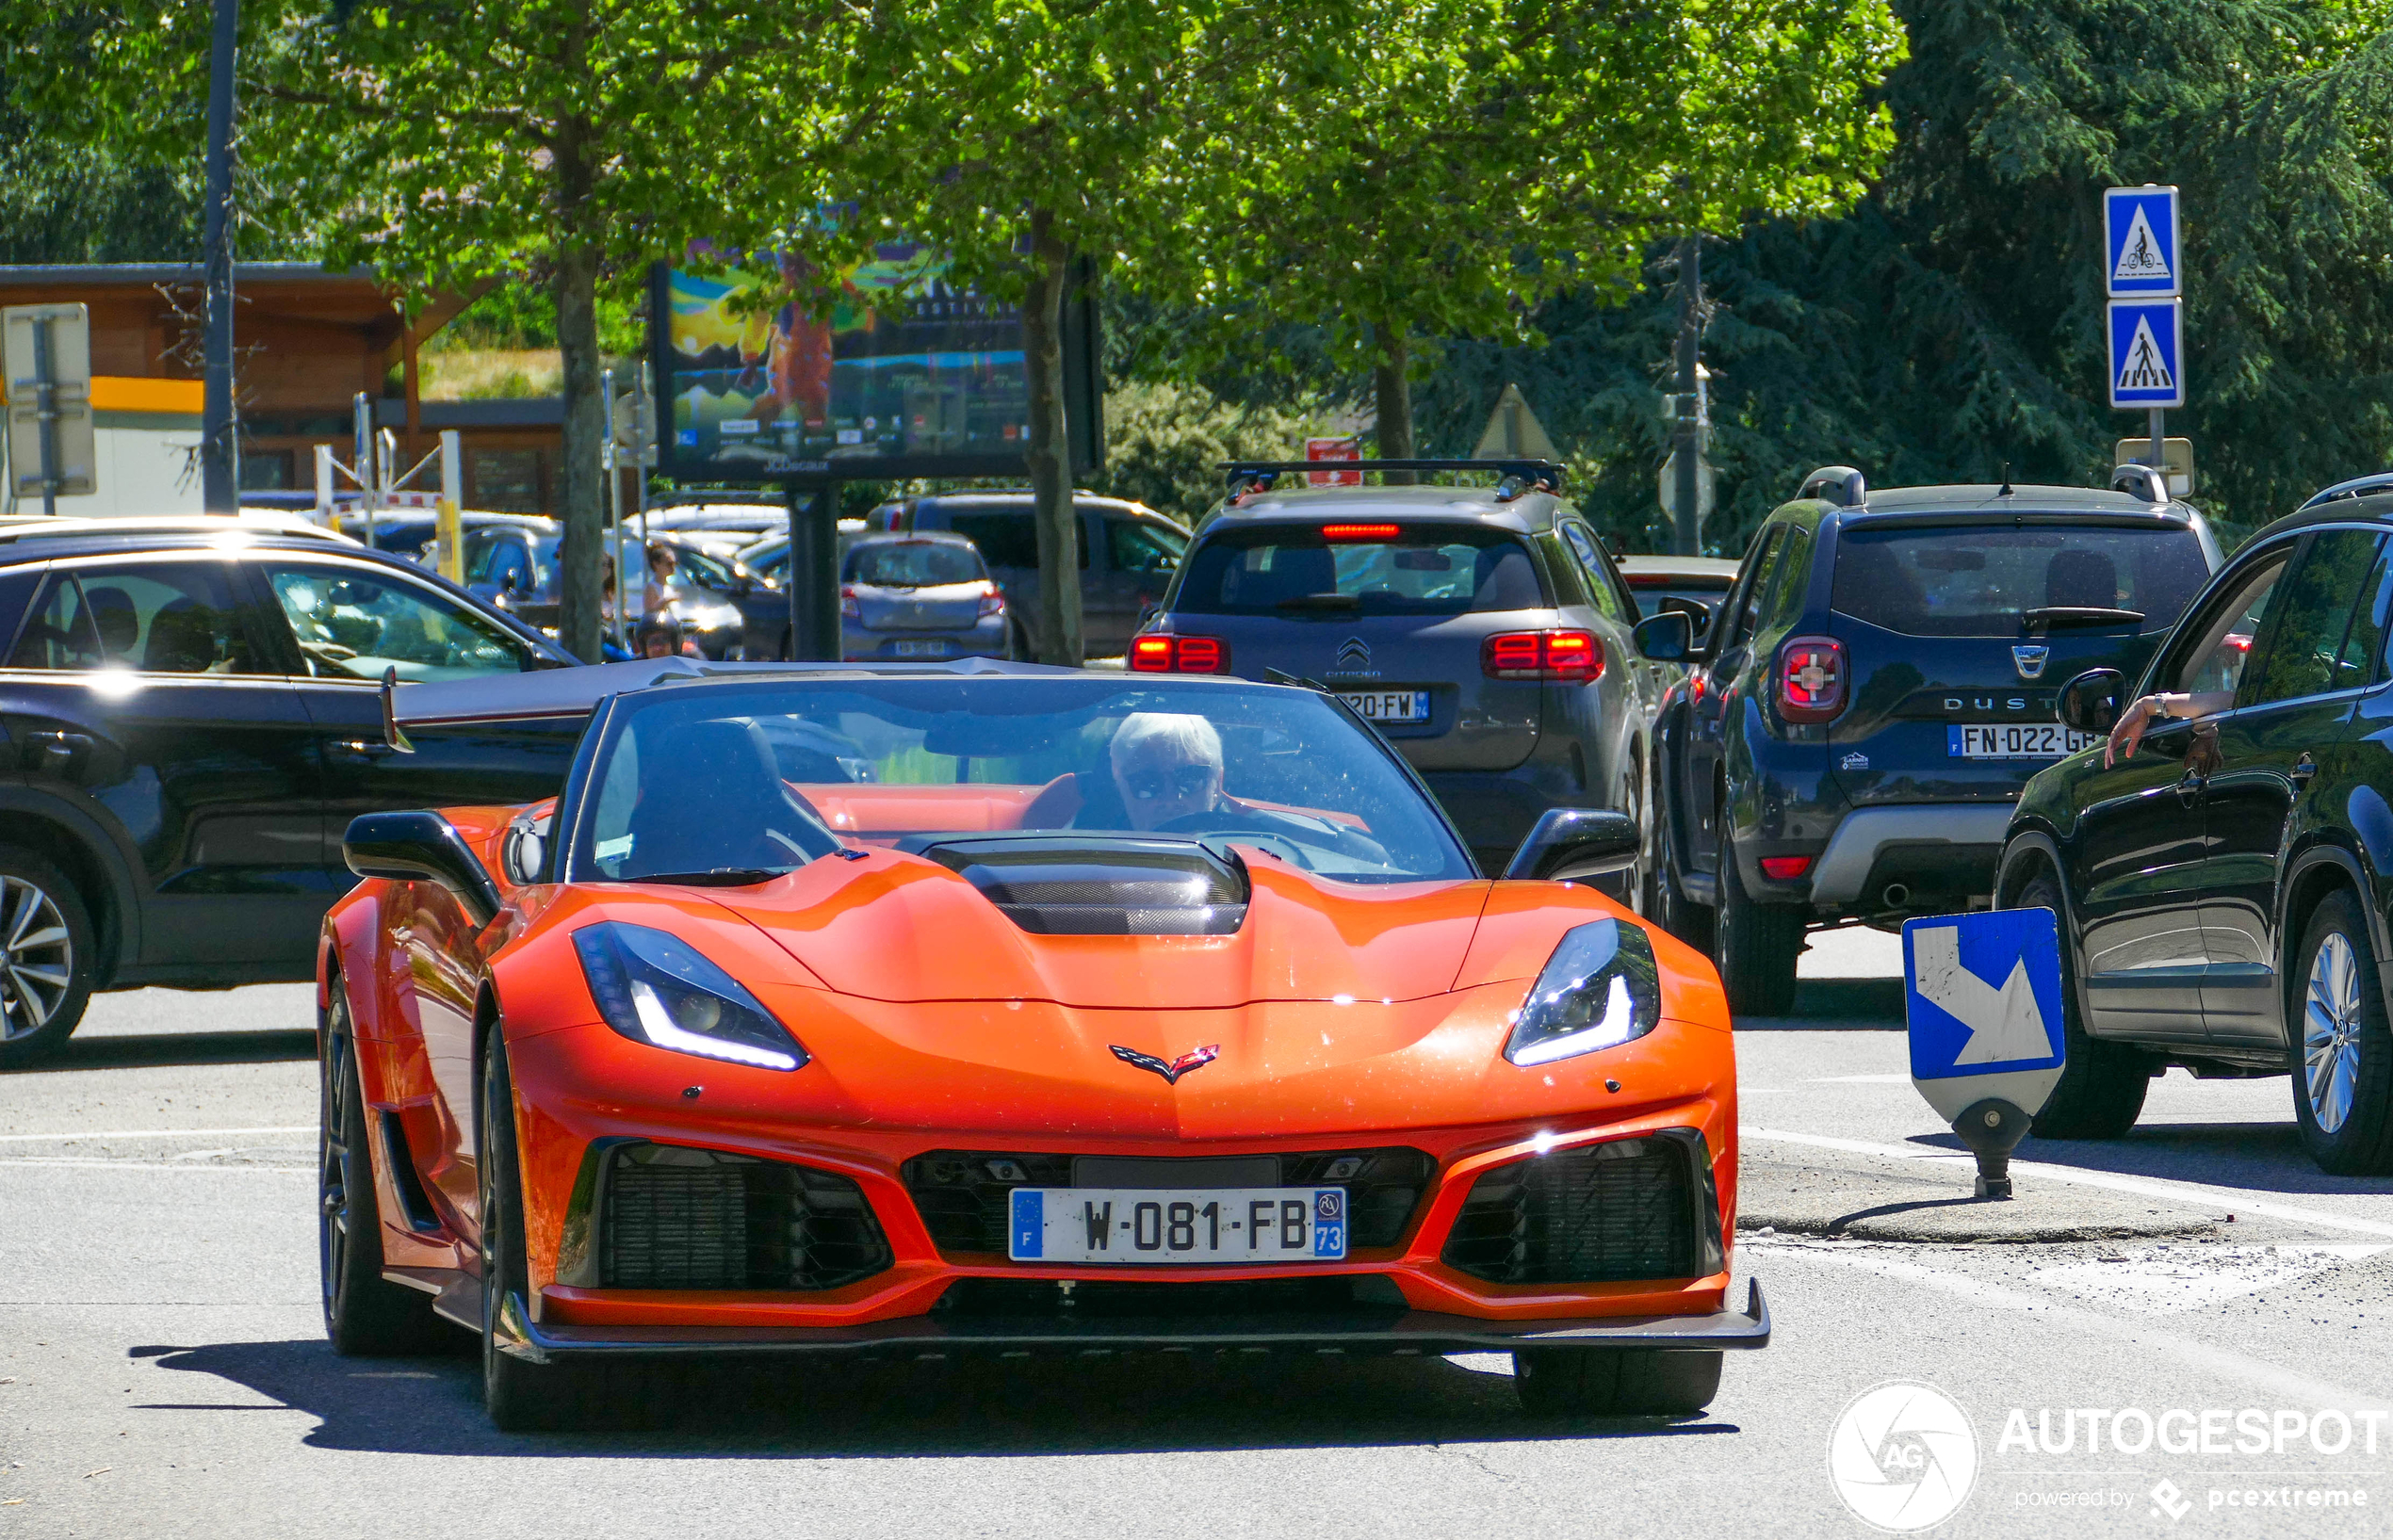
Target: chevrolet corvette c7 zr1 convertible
(988, 1008)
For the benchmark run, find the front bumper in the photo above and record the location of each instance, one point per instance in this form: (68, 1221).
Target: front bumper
(1384, 1333)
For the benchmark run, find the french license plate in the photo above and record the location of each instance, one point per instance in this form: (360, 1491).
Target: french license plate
(1389, 704)
(2014, 740)
(918, 649)
(1133, 1226)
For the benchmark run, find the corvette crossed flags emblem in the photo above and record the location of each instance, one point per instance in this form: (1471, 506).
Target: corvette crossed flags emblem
(1193, 1059)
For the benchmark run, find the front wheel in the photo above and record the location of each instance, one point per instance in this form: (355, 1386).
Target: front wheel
(47, 955)
(2100, 1094)
(364, 1316)
(1615, 1382)
(2342, 1100)
(519, 1395)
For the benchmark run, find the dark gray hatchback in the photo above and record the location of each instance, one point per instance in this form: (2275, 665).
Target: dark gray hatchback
(1483, 630)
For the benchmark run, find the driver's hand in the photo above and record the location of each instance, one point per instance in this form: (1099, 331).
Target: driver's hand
(2126, 734)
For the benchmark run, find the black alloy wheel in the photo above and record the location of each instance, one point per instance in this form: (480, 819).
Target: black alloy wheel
(2342, 1053)
(1755, 947)
(365, 1315)
(519, 1395)
(46, 956)
(1615, 1382)
(2102, 1084)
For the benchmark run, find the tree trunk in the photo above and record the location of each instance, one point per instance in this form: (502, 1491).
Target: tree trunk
(1393, 384)
(579, 487)
(1055, 626)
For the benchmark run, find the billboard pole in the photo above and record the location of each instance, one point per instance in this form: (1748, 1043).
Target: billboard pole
(220, 448)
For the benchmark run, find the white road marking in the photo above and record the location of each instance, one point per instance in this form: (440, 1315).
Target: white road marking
(1859, 1079)
(2298, 1389)
(71, 1162)
(76, 1137)
(2192, 1195)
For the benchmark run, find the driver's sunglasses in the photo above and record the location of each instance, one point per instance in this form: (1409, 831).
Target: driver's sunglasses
(1186, 781)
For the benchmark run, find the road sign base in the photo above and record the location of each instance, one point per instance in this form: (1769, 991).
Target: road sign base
(1993, 1128)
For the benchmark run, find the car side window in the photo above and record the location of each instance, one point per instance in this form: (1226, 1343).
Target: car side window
(2219, 641)
(1599, 573)
(1783, 605)
(166, 618)
(1745, 600)
(2311, 620)
(1006, 539)
(1141, 550)
(351, 624)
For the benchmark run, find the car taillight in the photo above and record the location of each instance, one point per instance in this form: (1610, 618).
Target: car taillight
(1785, 869)
(848, 606)
(992, 603)
(1811, 679)
(1179, 654)
(1572, 656)
(1358, 531)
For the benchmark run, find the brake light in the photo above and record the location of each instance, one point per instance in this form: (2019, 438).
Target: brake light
(1811, 679)
(1358, 531)
(1571, 657)
(1179, 654)
(848, 606)
(1785, 868)
(992, 603)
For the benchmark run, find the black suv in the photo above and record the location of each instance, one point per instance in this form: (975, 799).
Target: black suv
(2224, 891)
(1483, 630)
(188, 723)
(1877, 688)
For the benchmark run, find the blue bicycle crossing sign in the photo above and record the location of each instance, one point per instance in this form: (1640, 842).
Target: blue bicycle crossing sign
(2141, 253)
(2147, 357)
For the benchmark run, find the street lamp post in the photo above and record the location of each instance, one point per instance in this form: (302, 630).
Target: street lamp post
(219, 443)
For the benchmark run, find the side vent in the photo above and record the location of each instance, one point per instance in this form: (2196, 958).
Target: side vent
(412, 1196)
(1839, 484)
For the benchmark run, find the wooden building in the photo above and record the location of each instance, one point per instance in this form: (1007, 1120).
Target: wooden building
(307, 340)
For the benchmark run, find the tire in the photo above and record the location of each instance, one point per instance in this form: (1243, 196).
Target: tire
(2343, 1053)
(1633, 889)
(1614, 1382)
(519, 1396)
(364, 1315)
(1755, 947)
(47, 955)
(2102, 1084)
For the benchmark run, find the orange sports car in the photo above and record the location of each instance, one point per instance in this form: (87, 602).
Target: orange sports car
(991, 1007)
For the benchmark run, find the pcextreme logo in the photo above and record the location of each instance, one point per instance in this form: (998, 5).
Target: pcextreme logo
(1903, 1456)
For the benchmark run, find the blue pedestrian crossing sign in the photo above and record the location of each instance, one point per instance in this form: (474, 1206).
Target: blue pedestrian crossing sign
(2142, 252)
(1982, 996)
(2147, 358)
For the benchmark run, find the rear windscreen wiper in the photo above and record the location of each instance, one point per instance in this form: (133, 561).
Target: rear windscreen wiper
(2052, 615)
(715, 876)
(1322, 601)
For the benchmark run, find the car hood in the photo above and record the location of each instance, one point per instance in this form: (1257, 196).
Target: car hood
(903, 928)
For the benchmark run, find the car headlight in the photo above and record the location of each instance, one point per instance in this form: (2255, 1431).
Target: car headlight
(656, 989)
(1600, 989)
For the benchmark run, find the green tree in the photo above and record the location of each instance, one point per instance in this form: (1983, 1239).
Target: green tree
(449, 140)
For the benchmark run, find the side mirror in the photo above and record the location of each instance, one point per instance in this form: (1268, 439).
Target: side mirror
(422, 847)
(2091, 702)
(1666, 638)
(1572, 842)
(1698, 613)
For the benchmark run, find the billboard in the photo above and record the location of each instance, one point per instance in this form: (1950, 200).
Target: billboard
(905, 373)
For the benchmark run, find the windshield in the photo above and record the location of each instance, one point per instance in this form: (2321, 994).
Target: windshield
(1980, 581)
(1361, 568)
(759, 780)
(913, 563)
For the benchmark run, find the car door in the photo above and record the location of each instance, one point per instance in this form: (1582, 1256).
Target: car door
(2276, 749)
(1710, 691)
(2139, 838)
(142, 689)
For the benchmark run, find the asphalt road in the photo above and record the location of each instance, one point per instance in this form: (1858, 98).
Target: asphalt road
(163, 1372)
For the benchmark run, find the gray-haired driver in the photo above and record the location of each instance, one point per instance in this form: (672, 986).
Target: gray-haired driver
(1166, 765)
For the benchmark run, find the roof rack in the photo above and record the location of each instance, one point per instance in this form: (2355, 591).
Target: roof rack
(1838, 484)
(2140, 481)
(2360, 486)
(1518, 475)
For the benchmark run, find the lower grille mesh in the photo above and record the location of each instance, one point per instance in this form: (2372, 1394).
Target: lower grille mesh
(1620, 1210)
(681, 1218)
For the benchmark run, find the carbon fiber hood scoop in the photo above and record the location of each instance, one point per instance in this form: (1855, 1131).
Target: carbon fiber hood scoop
(1082, 885)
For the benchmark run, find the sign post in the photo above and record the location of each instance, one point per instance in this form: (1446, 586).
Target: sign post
(2143, 274)
(1982, 996)
(47, 355)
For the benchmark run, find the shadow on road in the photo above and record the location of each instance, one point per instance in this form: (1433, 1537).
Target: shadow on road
(151, 1051)
(765, 1408)
(1853, 1005)
(2267, 1158)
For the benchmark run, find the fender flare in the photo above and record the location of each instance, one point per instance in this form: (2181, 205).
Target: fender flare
(2035, 842)
(2354, 866)
(106, 848)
